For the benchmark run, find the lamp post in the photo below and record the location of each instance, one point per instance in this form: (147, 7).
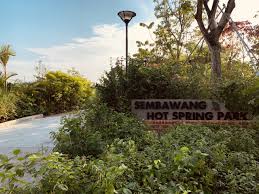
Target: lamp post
(126, 17)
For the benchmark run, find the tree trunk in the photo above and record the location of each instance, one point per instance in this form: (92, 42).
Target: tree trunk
(214, 30)
(215, 61)
(5, 78)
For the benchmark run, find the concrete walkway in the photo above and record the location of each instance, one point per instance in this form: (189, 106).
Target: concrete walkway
(28, 136)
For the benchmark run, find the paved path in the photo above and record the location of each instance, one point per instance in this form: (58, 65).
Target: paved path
(29, 136)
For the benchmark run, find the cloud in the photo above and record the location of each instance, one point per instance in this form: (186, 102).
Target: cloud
(91, 55)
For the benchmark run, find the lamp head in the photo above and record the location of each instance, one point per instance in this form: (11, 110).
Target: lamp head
(126, 16)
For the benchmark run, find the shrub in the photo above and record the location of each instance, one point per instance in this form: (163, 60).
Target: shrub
(252, 94)
(187, 159)
(104, 151)
(208, 159)
(26, 100)
(61, 92)
(97, 126)
(173, 81)
(7, 106)
(57, 92)
(176, 81)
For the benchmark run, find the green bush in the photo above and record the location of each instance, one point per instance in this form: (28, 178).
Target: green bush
(26, 100)
(57, 92)
(174, 81)
(252, 94)
(61, 92)
(95, 127)
(208, 159)
(7, 106)
(177, 81)
(187, 159)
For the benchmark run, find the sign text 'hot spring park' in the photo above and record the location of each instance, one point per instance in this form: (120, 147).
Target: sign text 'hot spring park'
(183, 109)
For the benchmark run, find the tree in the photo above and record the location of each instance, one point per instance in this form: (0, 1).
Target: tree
(255, 42)
(214, 30)
(237, 48)
(5, 53)
(175, 19)
(40, 70)
(3, 79)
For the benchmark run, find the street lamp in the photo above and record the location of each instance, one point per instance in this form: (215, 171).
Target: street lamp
(126, 16)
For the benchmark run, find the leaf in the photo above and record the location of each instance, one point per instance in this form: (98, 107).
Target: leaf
(63, 187)
(20, 172)
(150, 25)
(33, 157)
(126, 191)
(16, 151)
(157, 162)
(3, 158)
(143, 25)
(185, 149)
(8, 166)
(20, 158)
(186, 192)
(110, 189)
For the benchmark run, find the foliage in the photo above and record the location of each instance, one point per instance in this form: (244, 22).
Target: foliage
(5, 53)
(169, 81)
(231, 92)
(94, 128)
(7, 106)
(252, 93)
(27, 100)
(157, 71)
(176, 18)
(187, 159)
(61, 92)
(178, 81)
(170, 35)
(231, 42)
(56, 92)
(3, 79)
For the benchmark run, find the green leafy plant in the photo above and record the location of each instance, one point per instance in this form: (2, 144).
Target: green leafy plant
(95, 127)
(7, 106)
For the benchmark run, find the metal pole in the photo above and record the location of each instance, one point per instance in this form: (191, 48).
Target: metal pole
(126, 47)
(251, 55)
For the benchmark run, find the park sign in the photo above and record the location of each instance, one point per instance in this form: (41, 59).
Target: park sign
(183, 109)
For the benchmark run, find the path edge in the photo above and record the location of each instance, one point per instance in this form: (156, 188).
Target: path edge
(16, 121)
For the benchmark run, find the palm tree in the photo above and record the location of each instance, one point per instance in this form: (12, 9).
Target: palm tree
(4, 79)
(5, 53)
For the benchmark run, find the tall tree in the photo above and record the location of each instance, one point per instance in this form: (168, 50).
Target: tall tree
(5, 53)
(175, 19)
(213, 31)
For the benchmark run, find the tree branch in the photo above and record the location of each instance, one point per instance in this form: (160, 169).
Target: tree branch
(198, 18)
(225, 17)
(214, 8)
(208, 11)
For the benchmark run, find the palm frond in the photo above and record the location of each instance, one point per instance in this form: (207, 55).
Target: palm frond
(5, 52)
(3, 79)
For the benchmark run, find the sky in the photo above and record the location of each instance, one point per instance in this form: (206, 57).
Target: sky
(80, 34)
